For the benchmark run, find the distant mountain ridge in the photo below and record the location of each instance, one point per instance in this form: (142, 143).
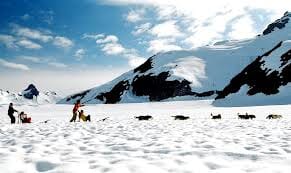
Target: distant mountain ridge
(30, 96)
(217, 72)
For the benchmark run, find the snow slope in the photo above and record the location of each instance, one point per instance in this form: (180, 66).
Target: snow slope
(123, 144)
(201, 73)
(264, 81)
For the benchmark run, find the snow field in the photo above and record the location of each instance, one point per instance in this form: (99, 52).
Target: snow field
(123, 144)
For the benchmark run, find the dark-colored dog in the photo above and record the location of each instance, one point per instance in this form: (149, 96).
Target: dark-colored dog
(252, 116)
(274, 116)
(246, 116)
(180, 117)
(218, 116)
(144, 117)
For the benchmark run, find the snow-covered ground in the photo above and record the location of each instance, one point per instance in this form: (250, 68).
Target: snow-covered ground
(123, 144)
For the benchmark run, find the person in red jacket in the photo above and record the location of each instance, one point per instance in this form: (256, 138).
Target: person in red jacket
(75, 110)
(24, 118)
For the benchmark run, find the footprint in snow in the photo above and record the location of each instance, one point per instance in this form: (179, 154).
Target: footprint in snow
(44, 166)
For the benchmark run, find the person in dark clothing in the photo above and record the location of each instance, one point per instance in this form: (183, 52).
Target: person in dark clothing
(11, 111)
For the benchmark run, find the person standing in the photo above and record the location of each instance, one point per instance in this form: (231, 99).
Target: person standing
(11, 111)
(75, 110)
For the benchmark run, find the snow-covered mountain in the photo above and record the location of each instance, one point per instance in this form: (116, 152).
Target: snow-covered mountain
(216, 71)
(29, 96)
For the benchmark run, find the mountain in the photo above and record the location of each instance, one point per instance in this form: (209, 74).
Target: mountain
(30, 96)
(219, 72)
(30, 92)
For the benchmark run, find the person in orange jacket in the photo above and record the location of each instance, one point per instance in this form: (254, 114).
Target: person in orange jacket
(75, 110)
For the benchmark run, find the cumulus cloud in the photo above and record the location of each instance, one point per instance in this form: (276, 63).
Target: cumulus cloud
(7, 40)
(12, 65)
(80, 53)
(92, 36)
(31, 33)
(113, 48)
(166, 29)
(63, 42)
(110, 46)
(248, 28)
(107, 39)
(162, 45)
(31, 38)
(197, 23)
(135, 15)
(141, 28)
(28, 44)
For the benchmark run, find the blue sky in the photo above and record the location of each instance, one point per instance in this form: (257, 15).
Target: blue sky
(71, 45)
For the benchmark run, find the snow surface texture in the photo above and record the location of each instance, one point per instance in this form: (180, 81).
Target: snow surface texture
(207, 70)
(48, 97)
(123, 144)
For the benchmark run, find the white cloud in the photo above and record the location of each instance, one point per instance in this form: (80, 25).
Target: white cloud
(92, 36)
(12, 65)
(26, 37)
(242, 28)
(57, 64)
(166, 29)
(63, 42)
(80, 53)
(162, 45)
(7, 40)
(31, 58)
(31, 33)
(110, 46)
(113, 48)
(134, 60)
(107, 39)
(197, 23)
(141, 28)
(135, 15)
(28, 44)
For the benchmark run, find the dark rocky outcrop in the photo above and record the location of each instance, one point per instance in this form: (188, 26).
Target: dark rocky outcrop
(205, 94)
(145, 66)
(114, 95)
(30, 92)
(280, 23)
(158, 88)
(260, 79)
(79, 95)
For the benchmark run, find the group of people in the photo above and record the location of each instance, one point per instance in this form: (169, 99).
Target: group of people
(22, 116)
(25, 119)
(81, 113)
